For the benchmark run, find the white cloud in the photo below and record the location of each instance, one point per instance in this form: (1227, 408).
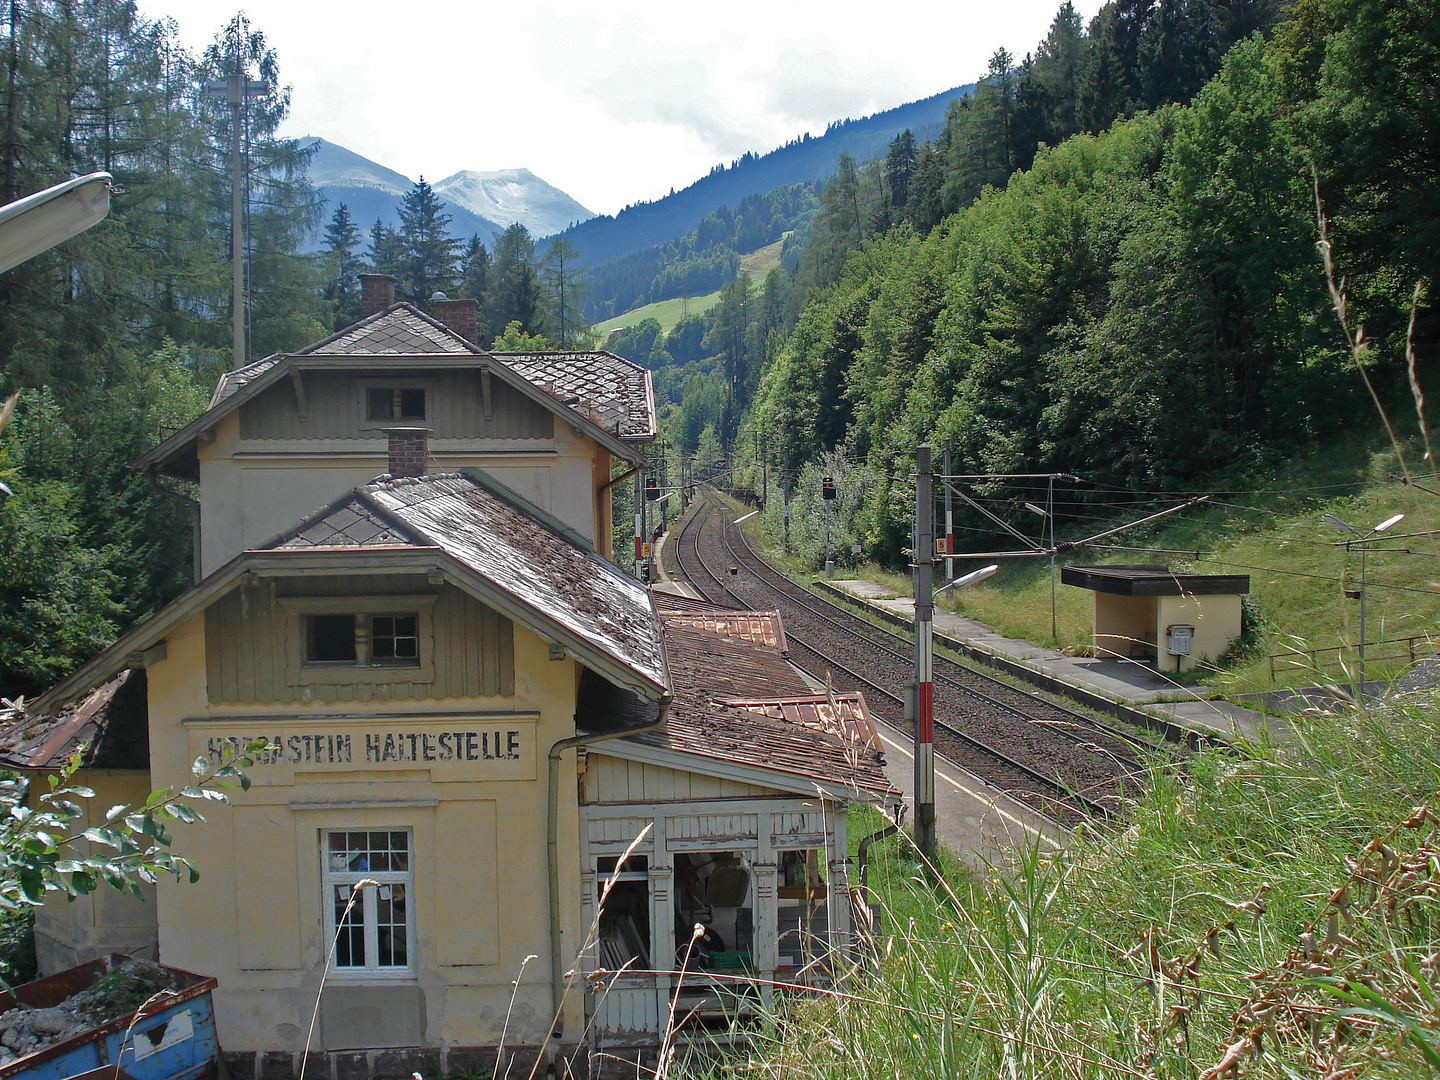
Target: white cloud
(611, 103)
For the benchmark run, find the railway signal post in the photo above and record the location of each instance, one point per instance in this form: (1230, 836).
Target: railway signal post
(924, 653)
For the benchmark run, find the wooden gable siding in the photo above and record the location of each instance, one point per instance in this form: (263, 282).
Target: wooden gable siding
(246, 647)
(615, 780)
(335, 408)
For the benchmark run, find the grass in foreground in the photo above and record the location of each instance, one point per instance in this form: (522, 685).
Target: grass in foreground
(1274, 912)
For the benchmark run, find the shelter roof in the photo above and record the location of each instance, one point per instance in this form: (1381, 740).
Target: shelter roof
(111, 722)
(1152, 580)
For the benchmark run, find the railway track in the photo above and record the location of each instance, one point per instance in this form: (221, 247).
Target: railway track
(1059, 762)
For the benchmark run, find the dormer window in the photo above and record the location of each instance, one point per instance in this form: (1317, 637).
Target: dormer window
(395, 403)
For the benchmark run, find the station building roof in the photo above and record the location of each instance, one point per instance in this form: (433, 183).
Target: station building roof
(600, 393)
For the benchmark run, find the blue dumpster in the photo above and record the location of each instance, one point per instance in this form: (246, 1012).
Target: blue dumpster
(173, 1038)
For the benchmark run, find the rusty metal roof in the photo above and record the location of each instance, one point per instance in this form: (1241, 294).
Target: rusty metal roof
(509, 544)
(748, 737)
(761, 627)
(608, 389)
(843, 715)
(777, 724)
(111, 721)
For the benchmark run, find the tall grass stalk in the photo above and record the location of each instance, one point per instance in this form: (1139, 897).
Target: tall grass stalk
(1270, 911)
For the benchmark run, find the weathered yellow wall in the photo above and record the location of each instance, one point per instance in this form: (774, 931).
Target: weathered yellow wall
(471, 646)
(70, 932)
(254, 489)
(479, 906)
(1216, 620)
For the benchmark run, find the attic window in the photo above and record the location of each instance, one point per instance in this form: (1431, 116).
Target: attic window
(330, 639)
(395, 403)
(363, 638)
(349, 639)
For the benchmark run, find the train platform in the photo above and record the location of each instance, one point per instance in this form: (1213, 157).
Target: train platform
(1130, 690)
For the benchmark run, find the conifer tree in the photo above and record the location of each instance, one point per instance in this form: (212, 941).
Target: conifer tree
(430, 260)
(342, 289)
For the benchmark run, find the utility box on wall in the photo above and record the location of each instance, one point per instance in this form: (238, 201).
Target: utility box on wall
(1139, 609)
(1179, 640)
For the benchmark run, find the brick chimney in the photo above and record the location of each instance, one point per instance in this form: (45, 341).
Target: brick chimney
(462, 316)
(409, 451)
(377, 292)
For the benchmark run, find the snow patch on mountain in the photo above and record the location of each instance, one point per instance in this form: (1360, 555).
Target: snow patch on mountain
(510, 195)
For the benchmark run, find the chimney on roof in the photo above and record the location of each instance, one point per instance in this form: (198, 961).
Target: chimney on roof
(462, 316)
(409, 451)
(377, 292)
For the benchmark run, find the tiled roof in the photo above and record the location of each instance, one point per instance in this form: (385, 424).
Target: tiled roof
(232, 382)
(351, 523)
(111, 720)
(525, 557)
(397, 331)
(611, 391)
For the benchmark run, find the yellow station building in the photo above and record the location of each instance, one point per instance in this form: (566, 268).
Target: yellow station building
(404, 587)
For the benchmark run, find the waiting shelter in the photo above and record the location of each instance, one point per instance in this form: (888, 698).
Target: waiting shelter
(1158, 616)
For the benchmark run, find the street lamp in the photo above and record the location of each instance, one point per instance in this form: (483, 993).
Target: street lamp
(1362, 540)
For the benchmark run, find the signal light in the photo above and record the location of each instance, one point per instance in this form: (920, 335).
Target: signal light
(652, 490)
(827, 488)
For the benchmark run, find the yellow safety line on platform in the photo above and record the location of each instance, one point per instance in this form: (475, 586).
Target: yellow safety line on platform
(977, 796)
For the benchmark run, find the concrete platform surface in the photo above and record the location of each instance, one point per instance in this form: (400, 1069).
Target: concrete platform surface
(1122, 682)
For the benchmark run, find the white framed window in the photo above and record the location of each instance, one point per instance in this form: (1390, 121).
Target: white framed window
(372, 925)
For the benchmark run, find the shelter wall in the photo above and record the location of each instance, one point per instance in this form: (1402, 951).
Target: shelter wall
(1125, 626)
(1216, 620)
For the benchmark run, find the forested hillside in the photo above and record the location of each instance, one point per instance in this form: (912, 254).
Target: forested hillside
(801, 161)
(1143, 305)
(118, 334)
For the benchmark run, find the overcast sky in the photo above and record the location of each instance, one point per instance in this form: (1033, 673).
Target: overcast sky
(614, 102)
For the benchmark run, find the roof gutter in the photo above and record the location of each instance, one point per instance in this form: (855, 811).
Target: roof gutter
(552, 850)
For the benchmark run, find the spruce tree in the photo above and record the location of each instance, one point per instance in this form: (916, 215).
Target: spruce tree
(342, 289)
(431, 255)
